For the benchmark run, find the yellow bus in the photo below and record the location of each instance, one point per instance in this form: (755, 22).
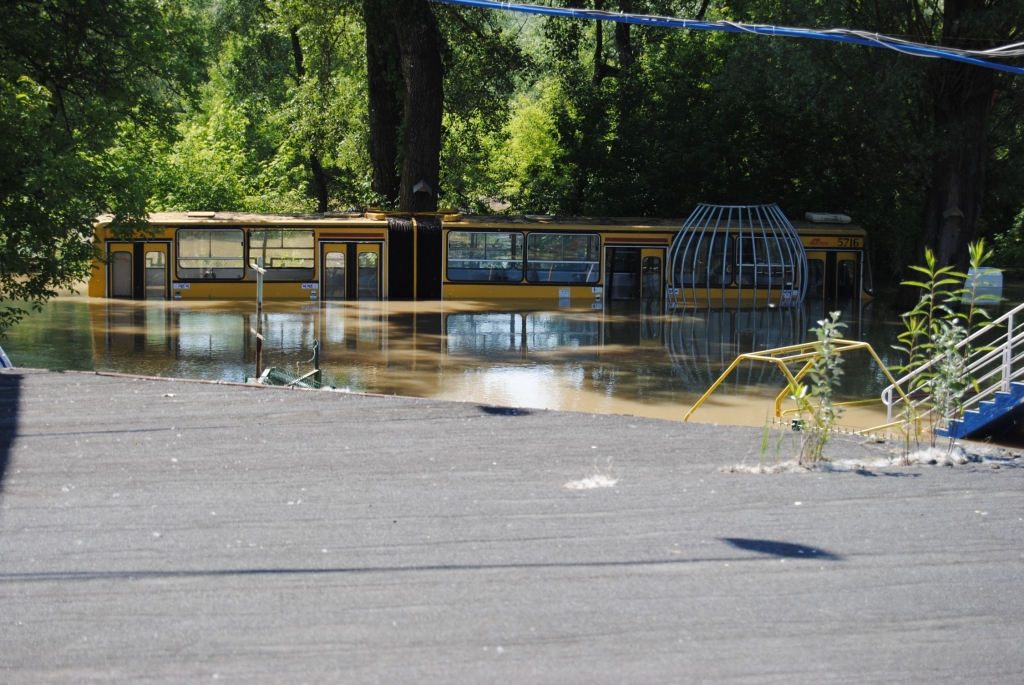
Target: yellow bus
(445, 255)
(837, 258)
(209, 255)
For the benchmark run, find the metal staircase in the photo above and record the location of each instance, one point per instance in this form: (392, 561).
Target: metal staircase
(996, 365)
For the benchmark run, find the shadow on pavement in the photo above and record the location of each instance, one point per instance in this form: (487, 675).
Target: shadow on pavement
(504, 411)
(141, 574)
(10, 394)
(781, 549)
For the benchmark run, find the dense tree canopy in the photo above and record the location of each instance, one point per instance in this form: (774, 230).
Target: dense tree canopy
(72, 72)
(125, 106)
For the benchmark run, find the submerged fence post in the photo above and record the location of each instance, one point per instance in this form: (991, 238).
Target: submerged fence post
(318, 377)
(258, 267)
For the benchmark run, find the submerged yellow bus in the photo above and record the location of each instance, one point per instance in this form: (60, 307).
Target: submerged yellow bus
(446, 255)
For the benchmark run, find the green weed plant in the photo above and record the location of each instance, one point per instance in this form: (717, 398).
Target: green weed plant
(934, 331)
(815, 401)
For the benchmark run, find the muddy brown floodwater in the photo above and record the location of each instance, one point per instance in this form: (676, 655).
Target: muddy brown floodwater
(624, 359)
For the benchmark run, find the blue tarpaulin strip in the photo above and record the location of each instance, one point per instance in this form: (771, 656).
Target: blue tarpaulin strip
(837, 35)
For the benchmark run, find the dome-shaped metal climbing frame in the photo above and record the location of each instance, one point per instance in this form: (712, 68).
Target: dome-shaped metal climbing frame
(736, 255)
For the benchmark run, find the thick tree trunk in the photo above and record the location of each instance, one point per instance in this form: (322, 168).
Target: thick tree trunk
(319, 179)
(319, 183)
(962, 97)
(623, 44)
(384, 90)
(963, 102)
(419, 42)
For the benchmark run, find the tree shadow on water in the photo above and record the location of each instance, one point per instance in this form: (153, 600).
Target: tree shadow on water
(10, 393)
(781, 549)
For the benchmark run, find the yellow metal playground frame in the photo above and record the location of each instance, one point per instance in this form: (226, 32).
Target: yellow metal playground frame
(806, 353)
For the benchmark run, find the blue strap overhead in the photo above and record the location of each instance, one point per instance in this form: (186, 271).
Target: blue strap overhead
(979, 58)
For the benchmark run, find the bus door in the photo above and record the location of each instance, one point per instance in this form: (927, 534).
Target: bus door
(156, 262)
(350, 271)
(815, 275)
(622, 273)
(650, 274)
(841, 278)
(333, 271)
(138, 270)
(120, 270)
(368, 271)
(847, 271)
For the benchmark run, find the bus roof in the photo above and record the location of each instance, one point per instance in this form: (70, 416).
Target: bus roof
(453, 220)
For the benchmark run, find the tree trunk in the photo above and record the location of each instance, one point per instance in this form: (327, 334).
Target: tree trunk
(623, 44)
(962, 97)
(319, 179)
(963, 102)
(419, 43)
(319, 183)
(384, 90)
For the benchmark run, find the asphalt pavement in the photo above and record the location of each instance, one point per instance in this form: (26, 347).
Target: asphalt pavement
(157, 531)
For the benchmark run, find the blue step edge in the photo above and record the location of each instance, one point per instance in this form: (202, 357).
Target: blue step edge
(987, 415)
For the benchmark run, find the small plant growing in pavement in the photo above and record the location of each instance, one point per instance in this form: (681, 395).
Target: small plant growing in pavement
(934, 331)
(766, 433)
(816, 400)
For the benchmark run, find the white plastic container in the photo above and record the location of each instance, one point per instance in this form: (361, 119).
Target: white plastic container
(986, 281)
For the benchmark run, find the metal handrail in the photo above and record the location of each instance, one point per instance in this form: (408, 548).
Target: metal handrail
(805, 354)
(1004, 352)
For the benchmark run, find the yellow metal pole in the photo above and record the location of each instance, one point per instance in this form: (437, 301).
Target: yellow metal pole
(796, 379)
(714, 386)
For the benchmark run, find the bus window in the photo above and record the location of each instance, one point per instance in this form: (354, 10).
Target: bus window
(334, 276)
(485, 256)
(210, 253)
(156, 275)
(759, 262)
(121, 275)
(367, 274)
(711, 263)
(623, 279)
(287, 255)
(563, 258)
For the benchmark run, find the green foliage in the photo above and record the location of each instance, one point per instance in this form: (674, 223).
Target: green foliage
(933, 337)
(698, 117)
(485, 66)
(71, 73)
(816, 400)
(1009, 245)
(128, 106)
